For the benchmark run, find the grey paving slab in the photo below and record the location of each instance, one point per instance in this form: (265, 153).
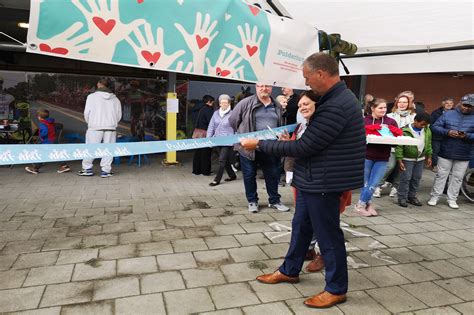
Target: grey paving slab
(464, 308)
(458, 286)
(271, 293)
(139, 265)
(114, 288)
(154, 248)
(383, 276)
(20, 299)
(309, 285)
(12, 279)
(431, 252)
(456, 249)
(252, 239)
(443, 310)
(233, 295)
(228, 229)
(415, 272)
(100, 240)
(161, 282)
(269, 308)
(19, 235)
(395, 299)
(465, 263)
(36, 260)
(229, 311)
(202, 277)
(67, 293)
(358, 282)
(171, 234)
(119, 251)
(98, 269)
(188, 301)
(64, 243)
(219, 242)
(135, 237)
(403, 255)
(248, 253)
(240, 272)
(188, 245)
(212, 258)
(419, 239)
(49, 275)
(431, 294)
(176, 261)
(40, 311)
(76, 255)
(445, 268)
(143, 304)
(118, 227)
(361, 303)
(102, 307)
(393, 241)
(20, 247)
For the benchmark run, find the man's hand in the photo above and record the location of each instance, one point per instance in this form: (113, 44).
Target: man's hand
(461, 135)
(249, 143)
(452, 133)
(429, 162)
(401, 166)
(284, 136)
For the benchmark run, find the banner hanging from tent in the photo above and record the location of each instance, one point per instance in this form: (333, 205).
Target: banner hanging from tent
(227, 38)
(40, 153)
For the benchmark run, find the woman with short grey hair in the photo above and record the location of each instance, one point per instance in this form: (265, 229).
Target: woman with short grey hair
(219, 126)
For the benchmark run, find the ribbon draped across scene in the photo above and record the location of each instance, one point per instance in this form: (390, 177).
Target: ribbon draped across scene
(40, 153)
(229, 39)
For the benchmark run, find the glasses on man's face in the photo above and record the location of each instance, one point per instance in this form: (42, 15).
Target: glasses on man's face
(263, 86)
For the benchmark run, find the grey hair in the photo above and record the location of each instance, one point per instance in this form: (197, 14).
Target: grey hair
(224, 97)
(322, 61)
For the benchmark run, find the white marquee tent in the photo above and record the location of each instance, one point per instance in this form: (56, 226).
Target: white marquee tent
(444, 30)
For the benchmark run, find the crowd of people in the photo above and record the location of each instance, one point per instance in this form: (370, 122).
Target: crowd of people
(327, 155)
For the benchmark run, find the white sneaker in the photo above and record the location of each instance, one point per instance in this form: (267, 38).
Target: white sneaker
(452, 204)
(432, 202)
(393, 192)
(253, 207)
(385, 185)
(279, 206)
(377, 192)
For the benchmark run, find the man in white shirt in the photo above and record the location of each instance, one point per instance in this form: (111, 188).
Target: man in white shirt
(102, 113)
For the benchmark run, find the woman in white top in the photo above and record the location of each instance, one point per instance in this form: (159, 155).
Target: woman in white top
(403, 112)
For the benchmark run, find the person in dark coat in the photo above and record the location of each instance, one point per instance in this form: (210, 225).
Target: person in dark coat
(457, 148)
(446, 105)
(201, 115)
(292, 105)
(330, 159)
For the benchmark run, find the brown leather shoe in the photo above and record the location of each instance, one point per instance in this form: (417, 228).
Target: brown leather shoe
(315, 265)
(310, 254)
(277, 277)
(325, 300)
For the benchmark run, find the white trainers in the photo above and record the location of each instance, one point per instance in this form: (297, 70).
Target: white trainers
(377, 192)
(385, 185)
(393, 192)
(253, 207)
(432, 202)
(279, 206)
(453, 204)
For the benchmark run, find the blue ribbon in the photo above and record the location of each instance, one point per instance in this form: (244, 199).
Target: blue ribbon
(31, 153)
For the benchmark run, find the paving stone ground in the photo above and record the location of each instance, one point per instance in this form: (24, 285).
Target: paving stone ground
(158, 240)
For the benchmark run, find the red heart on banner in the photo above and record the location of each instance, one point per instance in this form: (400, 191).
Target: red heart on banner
(222, 73)
(151, 58)
(57, 50)
(201, 41)
(251, 50)
(254, 10)
(140, 1)
(105, 27)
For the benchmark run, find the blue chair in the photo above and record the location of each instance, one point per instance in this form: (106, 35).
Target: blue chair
(74, 138)
(139, 157)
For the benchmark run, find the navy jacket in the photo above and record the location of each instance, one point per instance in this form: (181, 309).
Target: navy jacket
(435, 115)
(202, 112)
(451, 148)
(330, 154)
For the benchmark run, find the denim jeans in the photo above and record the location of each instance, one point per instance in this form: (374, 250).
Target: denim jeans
(410, 179)
(373, 173)
(271, 171)
(391, 174)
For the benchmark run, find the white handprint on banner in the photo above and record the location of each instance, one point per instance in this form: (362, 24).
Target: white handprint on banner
(180, 67)
(65, 43)
(226, 67)
(200, 40)
(150, 51)
(105, 27)
(250, 49)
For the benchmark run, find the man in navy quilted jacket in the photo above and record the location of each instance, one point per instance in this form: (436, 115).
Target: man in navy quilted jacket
(330, 159)
(457, 148)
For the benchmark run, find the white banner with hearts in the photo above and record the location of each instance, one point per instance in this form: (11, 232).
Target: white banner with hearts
(227, 38)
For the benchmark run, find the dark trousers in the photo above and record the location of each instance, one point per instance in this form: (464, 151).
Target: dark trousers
(318, 213)
(271, 171)
(202, 161)
(225, 161)
(436, 145)
(410, 179)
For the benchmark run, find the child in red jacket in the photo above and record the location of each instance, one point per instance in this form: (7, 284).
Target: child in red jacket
(47, 135)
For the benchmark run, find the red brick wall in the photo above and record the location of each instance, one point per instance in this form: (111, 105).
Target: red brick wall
(428, 88)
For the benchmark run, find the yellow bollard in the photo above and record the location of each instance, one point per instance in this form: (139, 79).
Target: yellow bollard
(171, 126)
